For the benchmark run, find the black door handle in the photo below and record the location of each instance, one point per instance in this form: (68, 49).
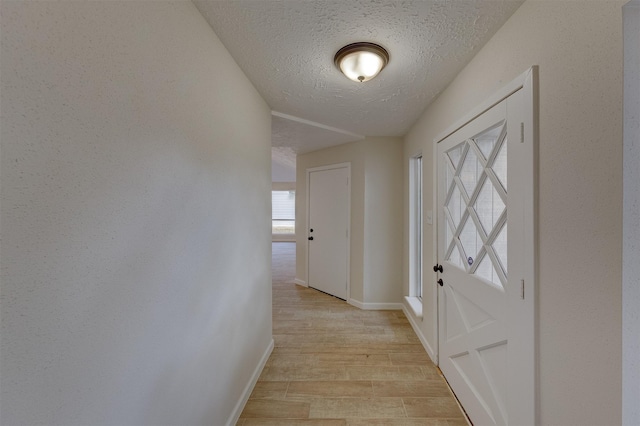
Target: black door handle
(437, 268)
(310, 238)
(441, 282)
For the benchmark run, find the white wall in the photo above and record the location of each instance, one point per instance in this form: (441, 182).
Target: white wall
(578, 47)
(135, 217)
(376, 216)
(631, 215)
(383, 221)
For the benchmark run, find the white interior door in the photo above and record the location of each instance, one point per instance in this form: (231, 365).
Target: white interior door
(328, 223)
(485, 333)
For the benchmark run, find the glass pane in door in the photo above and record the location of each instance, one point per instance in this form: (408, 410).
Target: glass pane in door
(470, 172)
(489, 206)
(472, 160)
(487, 140)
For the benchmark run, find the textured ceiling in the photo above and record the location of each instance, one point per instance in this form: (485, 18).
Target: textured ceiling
(283, 164)
(305, 136)
(286, 48)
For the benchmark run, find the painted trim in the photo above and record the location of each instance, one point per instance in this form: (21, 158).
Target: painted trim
(375, 306)
(434, 259)
(300, 282)
(494, 99)
(530, 89)
(246, 393)
(413, 247)
(310, 170)
(425, 344)
(315, 124)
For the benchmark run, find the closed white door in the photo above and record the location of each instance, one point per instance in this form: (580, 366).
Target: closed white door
(483, 332)
(328, 228)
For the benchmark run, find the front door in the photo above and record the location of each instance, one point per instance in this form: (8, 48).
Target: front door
(328, 227)
(482, 332)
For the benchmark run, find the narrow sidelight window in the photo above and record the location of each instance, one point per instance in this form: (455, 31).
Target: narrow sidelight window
(415, 226)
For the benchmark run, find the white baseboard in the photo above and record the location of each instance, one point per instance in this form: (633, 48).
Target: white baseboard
(375, 306)
(427, 347)
(300, 282)
(246, 393)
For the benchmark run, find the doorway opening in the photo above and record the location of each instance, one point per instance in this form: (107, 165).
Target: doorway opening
(328, 233)
(283, 215)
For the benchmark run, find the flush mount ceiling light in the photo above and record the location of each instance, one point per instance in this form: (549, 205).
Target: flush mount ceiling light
(361, 61)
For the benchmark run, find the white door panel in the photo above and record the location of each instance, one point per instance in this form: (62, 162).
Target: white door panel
(480, 246)
(328, 230)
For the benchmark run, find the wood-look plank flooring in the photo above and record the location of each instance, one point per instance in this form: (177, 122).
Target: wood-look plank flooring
(334, 364)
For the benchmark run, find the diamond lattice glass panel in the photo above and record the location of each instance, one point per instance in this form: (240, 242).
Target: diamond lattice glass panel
(500, 247)
(450, 175)
(455, 153)
(471, 241)
(456, 206)
(488, 206)
(486, 271)
(470, 172)
(500, 164)
(487, 140)
(455, 258)
(448, 234)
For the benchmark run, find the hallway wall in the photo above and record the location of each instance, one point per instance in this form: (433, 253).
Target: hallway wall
(631, 218)
(135, 217)
(578, 47)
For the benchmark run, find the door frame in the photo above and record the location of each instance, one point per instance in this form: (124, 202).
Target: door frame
(310, 170)
(527, 82)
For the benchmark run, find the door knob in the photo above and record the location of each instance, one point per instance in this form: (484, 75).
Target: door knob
(310, 238)
(440, 282)
(437, 268)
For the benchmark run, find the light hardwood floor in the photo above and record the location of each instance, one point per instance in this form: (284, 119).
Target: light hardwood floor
(334, 364)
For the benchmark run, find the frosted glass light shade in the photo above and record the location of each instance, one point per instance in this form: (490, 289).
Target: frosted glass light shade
(361, 61)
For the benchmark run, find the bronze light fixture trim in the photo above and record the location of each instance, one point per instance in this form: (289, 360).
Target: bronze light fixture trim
(361, 61)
